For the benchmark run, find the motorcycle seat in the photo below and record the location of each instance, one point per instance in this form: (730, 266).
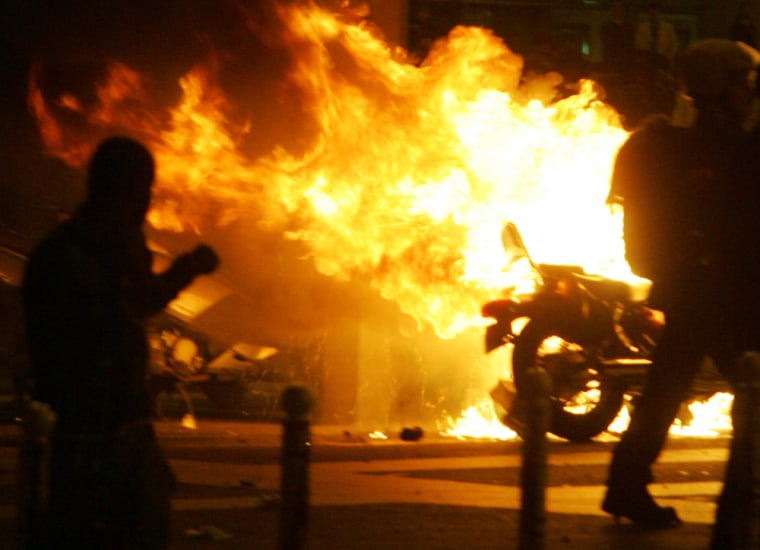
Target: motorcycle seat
(613, 289)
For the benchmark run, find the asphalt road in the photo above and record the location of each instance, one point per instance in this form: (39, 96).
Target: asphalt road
(435, 493)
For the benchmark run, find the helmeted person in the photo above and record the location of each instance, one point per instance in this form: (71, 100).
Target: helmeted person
(674, 184)
(87, 289)
(736, 516)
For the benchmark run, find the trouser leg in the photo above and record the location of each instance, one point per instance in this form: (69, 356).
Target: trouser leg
(74, 517)
(140, 484)
(737, 525)
(674, 367)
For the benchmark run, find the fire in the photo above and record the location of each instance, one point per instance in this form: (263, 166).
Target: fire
(398, 174)
(411, 174)
(709, 418)
(478, 422)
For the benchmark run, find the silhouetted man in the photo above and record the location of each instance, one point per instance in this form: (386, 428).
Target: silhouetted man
(87, 288)
(677, 188)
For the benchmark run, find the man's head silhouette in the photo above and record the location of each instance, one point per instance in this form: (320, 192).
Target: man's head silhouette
(120, 177)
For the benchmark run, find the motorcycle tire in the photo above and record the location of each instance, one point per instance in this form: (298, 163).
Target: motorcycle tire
(577, 413)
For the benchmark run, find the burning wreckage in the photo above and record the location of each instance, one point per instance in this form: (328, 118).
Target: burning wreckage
(356, 196)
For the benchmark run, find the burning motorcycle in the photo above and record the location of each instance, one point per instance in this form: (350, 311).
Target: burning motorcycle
(593, 335)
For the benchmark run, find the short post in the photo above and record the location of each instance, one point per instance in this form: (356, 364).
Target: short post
(294, 485)
(737, 524)
(533, 473)
(37, 422)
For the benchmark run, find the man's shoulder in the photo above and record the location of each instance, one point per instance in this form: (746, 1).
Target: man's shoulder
(649, 156)
(56, 239)
(52, 248)
(658, 124)
(654, 133)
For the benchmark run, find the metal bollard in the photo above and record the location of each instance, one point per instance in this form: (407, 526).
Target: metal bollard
(737, 524)
(533, 472)
(294, 484)
(37, 422)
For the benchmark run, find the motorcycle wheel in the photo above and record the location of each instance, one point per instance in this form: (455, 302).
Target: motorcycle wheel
(584, 401)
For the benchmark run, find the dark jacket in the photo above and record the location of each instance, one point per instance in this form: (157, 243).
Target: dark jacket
(672, 182)
(86, 292)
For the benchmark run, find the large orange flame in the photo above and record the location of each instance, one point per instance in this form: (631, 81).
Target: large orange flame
(410, 174)
(405, 177)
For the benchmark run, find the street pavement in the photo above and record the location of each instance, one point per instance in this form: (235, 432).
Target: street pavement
(435, 493)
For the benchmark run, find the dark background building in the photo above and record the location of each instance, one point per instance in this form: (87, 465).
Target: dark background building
(525, 24)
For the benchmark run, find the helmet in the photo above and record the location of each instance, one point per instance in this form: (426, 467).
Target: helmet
(709, 67)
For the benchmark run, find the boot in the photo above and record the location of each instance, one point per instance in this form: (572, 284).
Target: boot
(638, 506)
